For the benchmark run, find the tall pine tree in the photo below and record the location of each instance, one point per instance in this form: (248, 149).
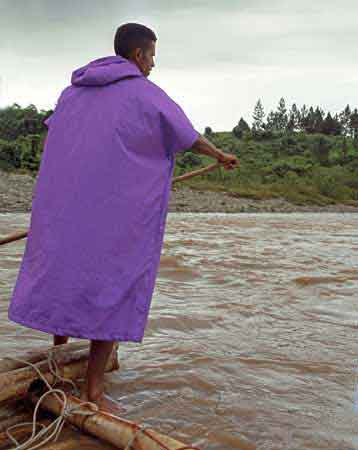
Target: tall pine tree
(318, 120)
(271, 121)
(345, 117)
(258, 116)
(295, 117)
(353, 124)
(303, 117)
(309, 121)
(328, 125)
(240, 128)
(282, 118)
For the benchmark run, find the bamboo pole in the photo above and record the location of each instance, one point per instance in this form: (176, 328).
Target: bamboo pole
(112, 429)
(195, 173)
(38, 354)
(13, 237)
(70, 438)
(22, 234)
(83, 441)
(72, 365)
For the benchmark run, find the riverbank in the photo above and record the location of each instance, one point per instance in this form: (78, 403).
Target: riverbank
(16, 194)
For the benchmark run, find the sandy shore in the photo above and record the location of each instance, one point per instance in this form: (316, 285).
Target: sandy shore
(16, 193)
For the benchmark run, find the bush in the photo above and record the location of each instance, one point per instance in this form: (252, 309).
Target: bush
(10, 154)
(189, 159)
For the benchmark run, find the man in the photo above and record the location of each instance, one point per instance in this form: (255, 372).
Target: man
(100, 204)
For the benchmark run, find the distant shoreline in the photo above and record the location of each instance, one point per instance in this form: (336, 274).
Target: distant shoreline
(184, 199)
(16, 192)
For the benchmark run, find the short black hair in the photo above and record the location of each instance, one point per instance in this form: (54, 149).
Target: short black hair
(130, 36)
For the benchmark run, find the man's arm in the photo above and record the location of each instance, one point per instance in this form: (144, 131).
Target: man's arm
(202, 145)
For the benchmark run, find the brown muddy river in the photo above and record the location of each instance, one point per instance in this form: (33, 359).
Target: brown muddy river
(252, 335)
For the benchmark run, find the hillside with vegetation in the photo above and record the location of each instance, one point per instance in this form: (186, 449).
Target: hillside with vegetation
(303, 155)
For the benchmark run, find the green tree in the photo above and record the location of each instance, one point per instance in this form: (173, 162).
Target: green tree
(344, 149)
(303, 118)
(10, 154)
(291, 124)
(353, 124)
(30, 152)
(258, 116)
(309, 122)
(295, 116)
(329, 125)
(271, 122)
(16, 121)
(208, 131)
(318, 120)
(344, 118)
(321, 149)
(240, 128)
(281, 117)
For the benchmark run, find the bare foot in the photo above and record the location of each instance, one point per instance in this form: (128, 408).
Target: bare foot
(104, 403)
(107, 404)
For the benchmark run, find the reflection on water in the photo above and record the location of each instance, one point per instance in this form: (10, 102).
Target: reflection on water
(252, 333)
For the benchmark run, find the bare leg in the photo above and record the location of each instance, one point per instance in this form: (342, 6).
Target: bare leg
(58, 340)
(94, 387)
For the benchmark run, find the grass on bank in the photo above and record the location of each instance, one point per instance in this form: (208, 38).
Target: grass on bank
(304, 169)
(294, 167)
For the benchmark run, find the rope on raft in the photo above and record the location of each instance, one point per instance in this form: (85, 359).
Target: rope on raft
(22, 234)
(54, 429)
(56, 426)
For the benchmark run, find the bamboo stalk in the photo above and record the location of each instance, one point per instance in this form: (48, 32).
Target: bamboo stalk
(111, 429)
(78, 442)
(39, 354)
(72, 365)
(13, 237)
(195, 173)
(22, 234)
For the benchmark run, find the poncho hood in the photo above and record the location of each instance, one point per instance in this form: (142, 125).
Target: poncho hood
(103, 71)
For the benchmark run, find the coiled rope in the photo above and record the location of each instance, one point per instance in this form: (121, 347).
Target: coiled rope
(53, 430)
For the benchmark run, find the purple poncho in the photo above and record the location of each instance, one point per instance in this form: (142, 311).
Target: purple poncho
(100, 204)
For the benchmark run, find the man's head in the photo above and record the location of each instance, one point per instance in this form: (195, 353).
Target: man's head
(136, 42)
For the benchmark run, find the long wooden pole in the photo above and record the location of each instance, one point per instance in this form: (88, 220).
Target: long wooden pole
(13, 237)
(72, 365)
(195, 173)
(39, 354)
(22, 234)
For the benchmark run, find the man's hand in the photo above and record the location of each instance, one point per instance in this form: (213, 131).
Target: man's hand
(205, 147)
(230, 161)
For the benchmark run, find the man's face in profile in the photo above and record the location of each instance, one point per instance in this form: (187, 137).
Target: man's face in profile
(145, 59)
(149, 59)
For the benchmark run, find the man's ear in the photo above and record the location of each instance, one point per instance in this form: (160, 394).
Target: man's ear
(138, 53)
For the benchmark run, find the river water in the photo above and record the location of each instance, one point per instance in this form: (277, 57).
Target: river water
(252, 335)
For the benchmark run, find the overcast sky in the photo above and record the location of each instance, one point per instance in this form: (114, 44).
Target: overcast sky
(215, 58)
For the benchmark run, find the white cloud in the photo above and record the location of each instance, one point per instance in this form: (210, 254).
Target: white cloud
(215, 58)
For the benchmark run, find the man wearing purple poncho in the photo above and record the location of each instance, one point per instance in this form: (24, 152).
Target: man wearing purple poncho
(100, 204)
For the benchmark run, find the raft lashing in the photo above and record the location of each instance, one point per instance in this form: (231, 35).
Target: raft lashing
(40, 380)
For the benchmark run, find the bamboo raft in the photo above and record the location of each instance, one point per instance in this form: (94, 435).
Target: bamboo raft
(20, 376)
(21, 384)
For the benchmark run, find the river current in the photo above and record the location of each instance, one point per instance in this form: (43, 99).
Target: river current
(252, 338)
